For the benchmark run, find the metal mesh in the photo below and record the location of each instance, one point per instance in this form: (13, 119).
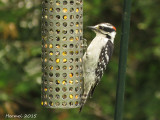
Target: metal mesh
(62, 30)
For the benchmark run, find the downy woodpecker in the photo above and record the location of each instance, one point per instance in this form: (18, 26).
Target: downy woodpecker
(96, 57)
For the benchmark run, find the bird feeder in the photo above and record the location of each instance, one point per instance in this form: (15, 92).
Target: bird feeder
(62, 39)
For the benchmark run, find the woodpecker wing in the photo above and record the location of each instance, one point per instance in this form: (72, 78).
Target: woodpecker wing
(104, 58)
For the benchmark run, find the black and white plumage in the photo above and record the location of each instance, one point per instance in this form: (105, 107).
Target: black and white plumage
(96, 57)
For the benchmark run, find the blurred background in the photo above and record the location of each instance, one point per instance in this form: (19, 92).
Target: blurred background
(20, 63)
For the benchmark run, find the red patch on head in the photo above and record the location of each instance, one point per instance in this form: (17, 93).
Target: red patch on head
(114, 28)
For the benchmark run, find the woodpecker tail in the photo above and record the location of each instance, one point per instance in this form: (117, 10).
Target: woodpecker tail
(83, 101)
(80, 109)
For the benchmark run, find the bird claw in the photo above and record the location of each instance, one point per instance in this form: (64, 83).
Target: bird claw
(78, 2)
(84, 45)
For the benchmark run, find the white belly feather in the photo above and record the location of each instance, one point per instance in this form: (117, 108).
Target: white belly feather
(90, 61)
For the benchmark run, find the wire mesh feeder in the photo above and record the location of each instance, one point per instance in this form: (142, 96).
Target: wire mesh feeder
(62, 33)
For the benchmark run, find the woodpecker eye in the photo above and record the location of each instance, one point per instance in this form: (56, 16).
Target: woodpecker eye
(101, 27)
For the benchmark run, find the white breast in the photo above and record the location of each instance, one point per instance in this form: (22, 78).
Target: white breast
(93, 52)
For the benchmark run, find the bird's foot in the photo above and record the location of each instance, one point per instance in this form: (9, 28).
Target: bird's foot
(84, 45)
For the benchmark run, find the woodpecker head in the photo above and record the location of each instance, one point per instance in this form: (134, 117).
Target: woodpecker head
(105, 29)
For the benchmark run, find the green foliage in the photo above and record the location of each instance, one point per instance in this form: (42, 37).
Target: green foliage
(20, 64)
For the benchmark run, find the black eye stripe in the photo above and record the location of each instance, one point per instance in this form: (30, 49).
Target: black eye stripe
(106, 29)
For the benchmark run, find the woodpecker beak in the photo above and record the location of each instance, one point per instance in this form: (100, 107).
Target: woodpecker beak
(92, 27)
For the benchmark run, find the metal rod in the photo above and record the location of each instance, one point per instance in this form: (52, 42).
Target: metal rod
(123, 60)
